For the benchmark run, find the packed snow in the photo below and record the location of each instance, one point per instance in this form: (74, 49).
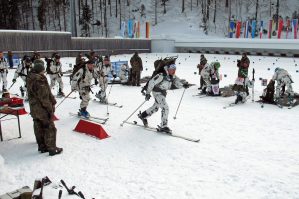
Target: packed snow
(244, 151)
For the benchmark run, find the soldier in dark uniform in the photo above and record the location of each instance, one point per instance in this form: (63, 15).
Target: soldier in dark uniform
(41, 102)
(137, 67)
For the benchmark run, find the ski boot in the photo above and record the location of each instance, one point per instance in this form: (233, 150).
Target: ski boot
(22, 91)
(98, 95)
(60, 93)
(83, 113)
(165, 129)
(143, 116)
(55, 151)
(239, 99)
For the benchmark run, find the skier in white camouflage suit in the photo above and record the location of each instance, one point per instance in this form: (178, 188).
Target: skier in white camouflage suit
(3, 71)
(123, 73)
(22, 71)
(159, 85)
(209, 72)
(103, 73)
(283, 78)
(55, 74)
(81, 82)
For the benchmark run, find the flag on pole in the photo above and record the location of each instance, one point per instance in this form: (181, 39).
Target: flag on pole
(280, 26)
(253, 26)
(261, 29)
(246, 29)
(288, 28)
(270, 29)
(130, 28)
(295, 26)
(231, 29)
(238, 29)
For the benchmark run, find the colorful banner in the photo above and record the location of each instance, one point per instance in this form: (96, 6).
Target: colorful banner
(123, 29)
(231, 29)
(138, 30)
(147, 30)
(295, 27)
(247, 29)
(238, 29)
(261, 29)
(270, 29)
(288, 28)
(253, 27)
(130, 28)
(280, 26)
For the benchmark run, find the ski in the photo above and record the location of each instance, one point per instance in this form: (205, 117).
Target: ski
(110, 104)
(60, 96)
(230, 105)
(91, 118)
(200, 95)
(162, 132)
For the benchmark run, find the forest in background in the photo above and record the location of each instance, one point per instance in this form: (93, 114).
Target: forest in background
(104, 17)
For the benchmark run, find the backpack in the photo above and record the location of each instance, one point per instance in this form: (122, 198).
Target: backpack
(268, 94)
(48, 61)
(159, 68)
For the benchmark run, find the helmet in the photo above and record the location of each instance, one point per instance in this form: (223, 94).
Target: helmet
(57, 56)
(172, 66)
(217, 65)
(276, 69)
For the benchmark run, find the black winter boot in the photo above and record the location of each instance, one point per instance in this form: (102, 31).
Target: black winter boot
(55, 151)
(143, 116)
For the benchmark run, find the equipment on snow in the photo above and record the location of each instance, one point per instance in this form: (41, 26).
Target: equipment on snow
(162, 132)
(133, 112)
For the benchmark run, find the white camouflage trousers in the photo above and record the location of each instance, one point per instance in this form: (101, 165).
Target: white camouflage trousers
(54, 78)
(103, 81)
(84, 96)
(207, 84)
(280, 83)
(160, 102)
(3, 76)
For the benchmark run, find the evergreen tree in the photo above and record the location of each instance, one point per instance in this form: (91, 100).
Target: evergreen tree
(85, 21)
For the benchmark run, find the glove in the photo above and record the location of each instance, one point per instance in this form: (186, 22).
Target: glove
(14, 81)
(61, 74)
(96, 82)
(114, 76)
(186, 85)
(147, 97)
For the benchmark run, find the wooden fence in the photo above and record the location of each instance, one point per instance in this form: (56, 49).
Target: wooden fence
(46, 42)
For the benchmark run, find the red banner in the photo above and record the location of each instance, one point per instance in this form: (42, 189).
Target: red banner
(238, 29)
(280, 26)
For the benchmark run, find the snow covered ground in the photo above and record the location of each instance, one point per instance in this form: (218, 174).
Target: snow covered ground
(245, 151)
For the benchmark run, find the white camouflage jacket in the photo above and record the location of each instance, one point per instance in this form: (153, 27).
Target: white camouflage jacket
(161, 83)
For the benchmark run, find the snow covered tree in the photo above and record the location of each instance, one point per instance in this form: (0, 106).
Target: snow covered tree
(85, 21)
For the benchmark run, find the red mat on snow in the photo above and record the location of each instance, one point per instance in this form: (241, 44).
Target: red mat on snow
(91, 128)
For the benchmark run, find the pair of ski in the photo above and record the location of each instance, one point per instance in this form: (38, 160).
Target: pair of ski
(99, 120)
(158, 130)
(110, 104)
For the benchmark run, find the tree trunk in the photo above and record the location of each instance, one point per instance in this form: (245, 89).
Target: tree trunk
(115, 8)
(256, 8)
(183, 6)
(215, 7)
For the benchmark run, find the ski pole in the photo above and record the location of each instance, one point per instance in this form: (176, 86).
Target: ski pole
(253, 81)
(179, 104)
(132, 113)
(64, 99)
(108, 96)
(12, 85)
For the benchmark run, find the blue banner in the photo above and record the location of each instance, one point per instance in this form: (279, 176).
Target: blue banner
(116, 66)
(253, 27)
(231, 29)
(247, 29)
(130, 28)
